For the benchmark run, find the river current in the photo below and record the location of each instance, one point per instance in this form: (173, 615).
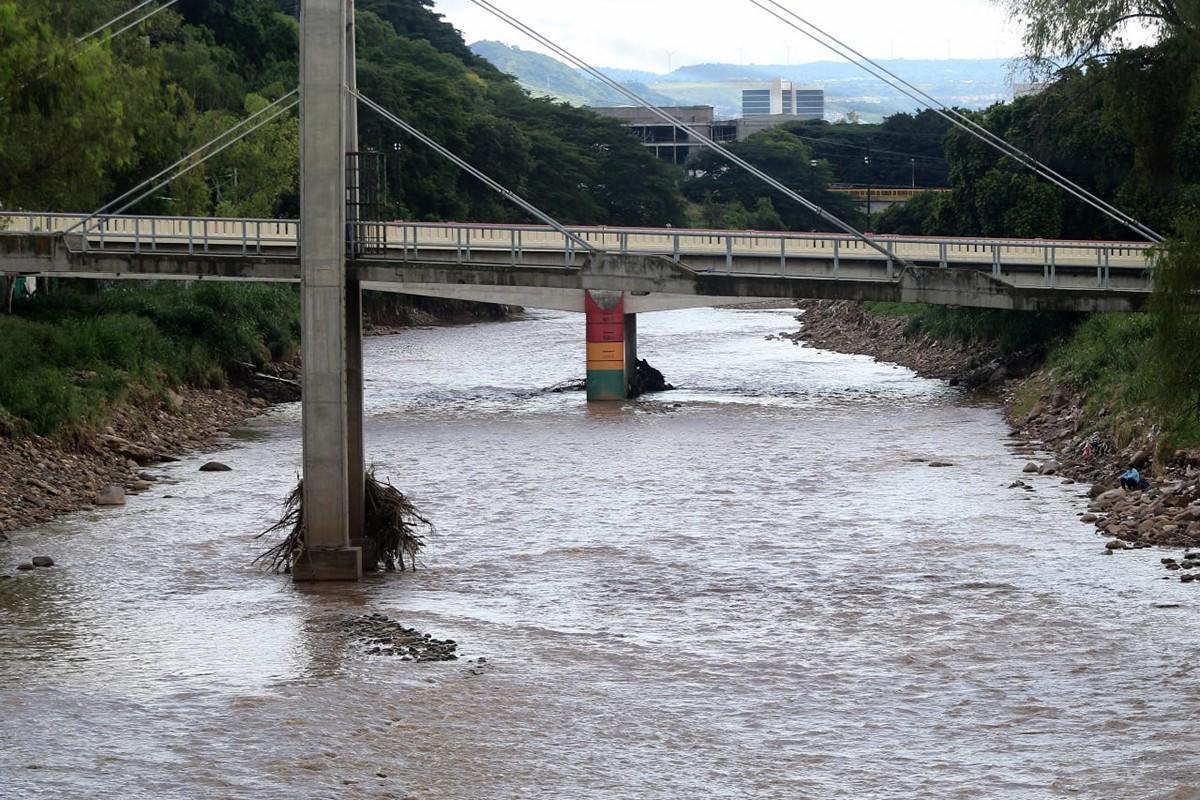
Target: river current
(748, 587)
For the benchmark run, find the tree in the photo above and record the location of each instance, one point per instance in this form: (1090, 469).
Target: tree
(1083, 29)
(783, 156)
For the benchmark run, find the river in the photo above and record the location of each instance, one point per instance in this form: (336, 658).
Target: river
(745, 588)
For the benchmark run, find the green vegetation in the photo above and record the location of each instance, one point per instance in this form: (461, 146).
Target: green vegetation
(1126, 125)
(69, 359)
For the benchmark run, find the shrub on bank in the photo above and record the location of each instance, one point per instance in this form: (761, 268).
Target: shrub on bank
(1113, 360)
(68, 359)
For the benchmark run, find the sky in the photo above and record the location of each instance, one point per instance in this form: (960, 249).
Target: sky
(652, 34)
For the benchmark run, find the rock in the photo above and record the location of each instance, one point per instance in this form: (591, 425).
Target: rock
(940, 464)
(25, 567)
(1173, 566)
(1115, 544)
(1068, 482)
(1017, 485)
(111, 495)
(1088, 519)
(1031, 468)
(146, 476)
(1050, 468)
(140, 486)
(172, 400)
(1140, 459)
(1187, 577)
(1097, 490)
(43, 561)
(216, 466)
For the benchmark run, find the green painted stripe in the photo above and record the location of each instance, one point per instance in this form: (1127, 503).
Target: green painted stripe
(606, 384)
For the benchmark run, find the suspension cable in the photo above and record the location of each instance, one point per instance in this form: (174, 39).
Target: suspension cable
(841, 48)
(495, 185)
(219, 150)
(228, 132)
(115, 20)
(702, 138)
(79, 51)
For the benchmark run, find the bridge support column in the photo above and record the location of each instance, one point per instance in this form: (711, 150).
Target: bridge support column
(606, 374)
(356, 463)
(327, 552)
(631, 355)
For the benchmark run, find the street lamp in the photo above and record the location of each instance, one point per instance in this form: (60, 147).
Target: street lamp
(812, 176)
(913, 161)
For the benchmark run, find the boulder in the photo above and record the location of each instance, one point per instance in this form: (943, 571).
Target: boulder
(216, 466)
(43, 561)
(1140, 459)
(1088, 519)
(940, 464)
(25, 567)
(110, 496)
(1050, 468)
(1031, 468)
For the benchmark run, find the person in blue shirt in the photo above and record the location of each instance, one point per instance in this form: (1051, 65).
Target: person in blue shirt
(1133, 479)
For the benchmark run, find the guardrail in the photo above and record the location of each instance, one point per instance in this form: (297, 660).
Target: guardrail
(510, 244)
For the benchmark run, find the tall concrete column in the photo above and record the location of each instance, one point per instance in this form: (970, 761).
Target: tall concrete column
(356, 453)
(327, 552)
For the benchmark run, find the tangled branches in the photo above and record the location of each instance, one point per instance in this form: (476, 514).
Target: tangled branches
(391, 530)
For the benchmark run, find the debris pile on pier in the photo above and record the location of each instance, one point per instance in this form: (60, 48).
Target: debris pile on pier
(392, 529)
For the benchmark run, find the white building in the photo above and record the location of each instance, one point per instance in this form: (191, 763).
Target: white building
(783, 98)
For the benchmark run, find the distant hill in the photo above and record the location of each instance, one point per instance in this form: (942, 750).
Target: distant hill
(546, 76)
(967, 83)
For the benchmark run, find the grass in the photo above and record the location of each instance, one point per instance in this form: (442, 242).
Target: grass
(1010, 331)
(1113, 360)
(69, 359)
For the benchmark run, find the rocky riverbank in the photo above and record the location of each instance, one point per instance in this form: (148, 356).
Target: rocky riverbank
(1045, 414)
(41, 479)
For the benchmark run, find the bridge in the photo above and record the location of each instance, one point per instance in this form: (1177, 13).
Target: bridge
(609, 274)
(656, 269)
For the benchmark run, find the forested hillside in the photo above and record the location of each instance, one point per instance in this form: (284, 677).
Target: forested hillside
(78, 124)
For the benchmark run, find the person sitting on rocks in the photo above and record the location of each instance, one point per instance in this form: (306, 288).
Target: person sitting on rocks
(1133, 480)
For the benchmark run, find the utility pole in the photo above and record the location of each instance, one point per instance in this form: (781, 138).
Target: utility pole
(870, 183)
(913, 161)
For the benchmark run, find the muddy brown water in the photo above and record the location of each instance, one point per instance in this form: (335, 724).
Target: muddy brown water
(756, 594)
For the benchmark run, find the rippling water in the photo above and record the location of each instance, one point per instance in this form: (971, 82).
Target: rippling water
(746, 588)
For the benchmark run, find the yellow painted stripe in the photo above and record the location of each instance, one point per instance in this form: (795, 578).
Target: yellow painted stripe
(606, 351)
(602, 366)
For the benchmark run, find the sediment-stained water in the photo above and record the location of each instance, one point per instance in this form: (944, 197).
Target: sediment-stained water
(746, 588)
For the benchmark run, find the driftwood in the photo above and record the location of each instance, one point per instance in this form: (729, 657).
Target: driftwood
(391, 531)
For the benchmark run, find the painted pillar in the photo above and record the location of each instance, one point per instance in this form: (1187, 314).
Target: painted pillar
(631, 355)
(355, 451)
(605, 346)
(327, 552)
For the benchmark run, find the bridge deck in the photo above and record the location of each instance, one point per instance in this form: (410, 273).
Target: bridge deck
(143, 246)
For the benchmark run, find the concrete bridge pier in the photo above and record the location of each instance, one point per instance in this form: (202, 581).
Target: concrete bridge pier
(631, 353)
(325, 321)
(607, 375)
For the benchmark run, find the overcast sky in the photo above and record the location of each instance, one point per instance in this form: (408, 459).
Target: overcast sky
(644, 34)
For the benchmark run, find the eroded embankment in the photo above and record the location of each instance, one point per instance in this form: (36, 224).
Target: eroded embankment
(1044, 411)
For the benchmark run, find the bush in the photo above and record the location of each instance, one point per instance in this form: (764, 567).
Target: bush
(69, 358)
